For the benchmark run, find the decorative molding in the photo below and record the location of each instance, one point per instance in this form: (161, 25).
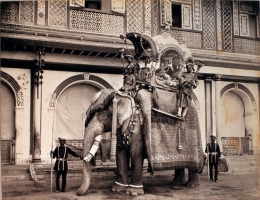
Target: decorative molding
(41, 12)
(60, 40)
(77, 78)
(237, 86)
(15, 87)
(217, 77)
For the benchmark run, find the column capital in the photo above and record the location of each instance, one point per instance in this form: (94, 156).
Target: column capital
(217, 77)
(208, 79)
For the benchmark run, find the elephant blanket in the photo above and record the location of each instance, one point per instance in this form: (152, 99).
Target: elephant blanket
(167, 133)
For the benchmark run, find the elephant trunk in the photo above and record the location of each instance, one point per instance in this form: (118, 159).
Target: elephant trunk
(85, 179)
(91, 131)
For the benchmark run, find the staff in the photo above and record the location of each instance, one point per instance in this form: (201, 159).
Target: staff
(51, 154)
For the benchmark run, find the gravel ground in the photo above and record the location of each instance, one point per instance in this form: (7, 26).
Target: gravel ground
(229, 187)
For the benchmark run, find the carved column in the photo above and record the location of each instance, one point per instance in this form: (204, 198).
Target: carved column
(36, 153)
(37, 107)
(218, 116)
(208, 107)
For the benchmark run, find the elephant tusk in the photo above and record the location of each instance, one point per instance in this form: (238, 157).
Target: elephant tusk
(94, 147)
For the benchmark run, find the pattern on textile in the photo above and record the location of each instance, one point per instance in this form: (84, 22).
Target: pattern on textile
(168, 132)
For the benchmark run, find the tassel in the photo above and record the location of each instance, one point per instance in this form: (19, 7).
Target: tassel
(114, 129)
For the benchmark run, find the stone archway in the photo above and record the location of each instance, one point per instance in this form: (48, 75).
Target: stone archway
(69, 92)
(12, 123)
(240, 119)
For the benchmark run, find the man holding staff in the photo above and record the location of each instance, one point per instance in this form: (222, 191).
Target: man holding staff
(61, 164)
(213, 152)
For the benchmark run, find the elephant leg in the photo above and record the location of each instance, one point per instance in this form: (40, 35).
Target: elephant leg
(122, 162)
(193, 178)
(137, 158)
(179, 178)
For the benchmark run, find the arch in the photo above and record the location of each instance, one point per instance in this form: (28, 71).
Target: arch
(244, 93)
(12, 83)
(86, 78)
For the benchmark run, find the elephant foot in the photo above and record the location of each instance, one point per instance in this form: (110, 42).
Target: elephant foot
(177, 183)
(119, 187)
(192, 184)
(135, 190)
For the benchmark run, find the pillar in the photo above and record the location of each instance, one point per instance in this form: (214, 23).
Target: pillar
(36, 153)
(218, 116)
(208, 107)
(20, 141)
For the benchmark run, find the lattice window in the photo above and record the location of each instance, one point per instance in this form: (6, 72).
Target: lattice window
(98, 22)
(155, 18)
(227, 26)
(246, 46)
(134, 11)
(8, 11)
(219, 25)
(192, 39)
(57, 15)
(147, 8)
(26, 11)
(209, 25)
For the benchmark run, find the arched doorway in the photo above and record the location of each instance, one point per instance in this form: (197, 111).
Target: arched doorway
(236, 127)
(70, 110)
(233, 120)
(7, 107)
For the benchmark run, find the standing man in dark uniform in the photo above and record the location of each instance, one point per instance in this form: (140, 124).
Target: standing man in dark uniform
(213, 152)
(61, 164)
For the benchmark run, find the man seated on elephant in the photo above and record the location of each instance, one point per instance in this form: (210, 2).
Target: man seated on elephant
(188, 82)
(61, 165)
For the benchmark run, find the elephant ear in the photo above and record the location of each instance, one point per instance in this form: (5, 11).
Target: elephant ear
(125, 107)
(99, 102)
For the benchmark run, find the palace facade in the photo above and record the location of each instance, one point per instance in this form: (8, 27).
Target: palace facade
(56, 54)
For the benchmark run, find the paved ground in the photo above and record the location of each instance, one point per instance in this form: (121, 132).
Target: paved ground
(229, 187)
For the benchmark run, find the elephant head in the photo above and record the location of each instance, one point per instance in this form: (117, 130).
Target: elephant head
(99, 120)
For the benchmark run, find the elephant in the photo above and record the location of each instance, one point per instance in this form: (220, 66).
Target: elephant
(133, 140)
